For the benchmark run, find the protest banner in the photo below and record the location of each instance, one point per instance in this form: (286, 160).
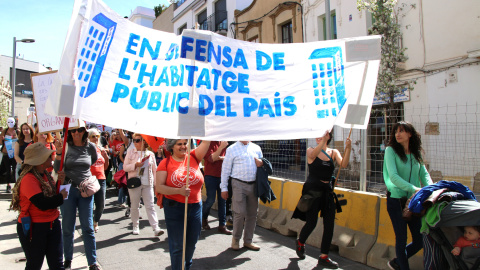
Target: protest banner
(41, 85)
(209, 86)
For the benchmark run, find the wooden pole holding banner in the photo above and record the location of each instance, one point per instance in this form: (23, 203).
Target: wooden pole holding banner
(186, 204)
(339, 169)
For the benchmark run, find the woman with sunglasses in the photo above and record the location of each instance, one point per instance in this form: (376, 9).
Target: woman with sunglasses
(80, 155)
(140, 163)
(171, 182)
(98, 170)
(404, 174)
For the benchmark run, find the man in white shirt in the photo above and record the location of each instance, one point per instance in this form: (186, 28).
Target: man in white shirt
(240, 163)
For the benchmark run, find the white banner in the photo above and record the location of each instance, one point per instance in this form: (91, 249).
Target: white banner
(208, 86)
(41, 85)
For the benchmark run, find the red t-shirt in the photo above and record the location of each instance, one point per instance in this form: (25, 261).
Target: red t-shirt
(116, 145)
(29, 187)
(177, 174)
(97, 168)
(213, 168)
(462, 242)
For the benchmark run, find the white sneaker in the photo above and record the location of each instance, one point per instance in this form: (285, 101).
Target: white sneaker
(159, 232)
(136, 230)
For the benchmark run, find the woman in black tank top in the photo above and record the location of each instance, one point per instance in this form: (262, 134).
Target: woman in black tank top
(321, 165)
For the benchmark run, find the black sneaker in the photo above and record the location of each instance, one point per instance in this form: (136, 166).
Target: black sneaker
(9, 189)
(393, 265)
(327, 263)
(67, 264)
(94, 267)
(127, 212)
(300, 249)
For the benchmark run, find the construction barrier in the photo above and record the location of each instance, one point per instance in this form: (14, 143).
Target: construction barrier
(363, 230)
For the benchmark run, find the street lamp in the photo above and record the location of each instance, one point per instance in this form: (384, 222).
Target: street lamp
(25, 40)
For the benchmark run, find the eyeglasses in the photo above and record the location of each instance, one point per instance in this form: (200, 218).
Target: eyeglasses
(95, 136)
(137, 140)
(82, 129)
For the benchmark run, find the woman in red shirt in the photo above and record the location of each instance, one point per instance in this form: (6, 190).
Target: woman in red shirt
(171, 181)
(98, 170)
(35, 197)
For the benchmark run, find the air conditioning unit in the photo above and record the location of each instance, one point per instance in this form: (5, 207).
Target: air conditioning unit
(222, 32)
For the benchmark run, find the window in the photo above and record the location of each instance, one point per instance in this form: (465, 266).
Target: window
(287, 33)
(333, 26)
(202, 20)
(221, 22)
(180, 30)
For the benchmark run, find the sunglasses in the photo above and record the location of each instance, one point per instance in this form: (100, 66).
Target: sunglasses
(95, 136)
(137, 140)
(77, 130)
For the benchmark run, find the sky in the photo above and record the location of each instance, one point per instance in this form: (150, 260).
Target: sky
(47, 22)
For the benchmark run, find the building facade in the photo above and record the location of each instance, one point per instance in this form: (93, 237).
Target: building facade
(143, 16)
(272, 21)
(164, 21)
(215, 16)
(23, 89)
(443, 63)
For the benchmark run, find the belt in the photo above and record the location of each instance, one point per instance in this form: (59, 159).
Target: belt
(246, 182)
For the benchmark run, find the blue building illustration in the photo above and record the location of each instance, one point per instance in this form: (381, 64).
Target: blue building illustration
(93, 53)
(328, 81)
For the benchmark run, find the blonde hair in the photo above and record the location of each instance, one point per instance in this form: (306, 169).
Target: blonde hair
(49, 138)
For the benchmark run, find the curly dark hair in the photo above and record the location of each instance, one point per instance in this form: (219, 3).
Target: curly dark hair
(84, 137)
(414, 144)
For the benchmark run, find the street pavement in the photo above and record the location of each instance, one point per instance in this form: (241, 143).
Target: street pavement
(117, 248)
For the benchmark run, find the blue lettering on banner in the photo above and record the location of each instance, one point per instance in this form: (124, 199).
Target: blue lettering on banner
(151, 95)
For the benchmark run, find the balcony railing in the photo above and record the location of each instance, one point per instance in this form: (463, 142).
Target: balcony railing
(217, 22)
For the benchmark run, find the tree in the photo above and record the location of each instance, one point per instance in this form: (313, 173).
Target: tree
(386, 15)
(159, 9)
(4, 106)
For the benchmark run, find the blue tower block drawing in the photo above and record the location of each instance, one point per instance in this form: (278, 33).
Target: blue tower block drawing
(93, 53)
(328, 81)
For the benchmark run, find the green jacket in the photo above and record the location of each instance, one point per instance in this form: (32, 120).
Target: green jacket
(397, 177)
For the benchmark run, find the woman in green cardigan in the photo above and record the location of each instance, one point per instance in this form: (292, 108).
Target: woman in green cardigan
(404, 174)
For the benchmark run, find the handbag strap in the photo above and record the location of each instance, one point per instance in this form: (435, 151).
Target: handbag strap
(329, 157)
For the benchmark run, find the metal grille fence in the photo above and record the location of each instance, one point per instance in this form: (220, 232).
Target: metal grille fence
(450, 139)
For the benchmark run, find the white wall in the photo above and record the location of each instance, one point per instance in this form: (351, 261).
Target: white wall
(315, 10)
(6, 64)
(143, 16)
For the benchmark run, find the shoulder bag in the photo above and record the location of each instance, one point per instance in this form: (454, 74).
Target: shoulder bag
(134, 182)
(89, 186)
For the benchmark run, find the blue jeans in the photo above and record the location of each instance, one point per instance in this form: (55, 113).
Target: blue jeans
(99, 200)
(85, 214)
(404, 251)
(212, 184)
(174, 216)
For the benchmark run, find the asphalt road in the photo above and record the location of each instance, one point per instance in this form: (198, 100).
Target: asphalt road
(118, 248)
